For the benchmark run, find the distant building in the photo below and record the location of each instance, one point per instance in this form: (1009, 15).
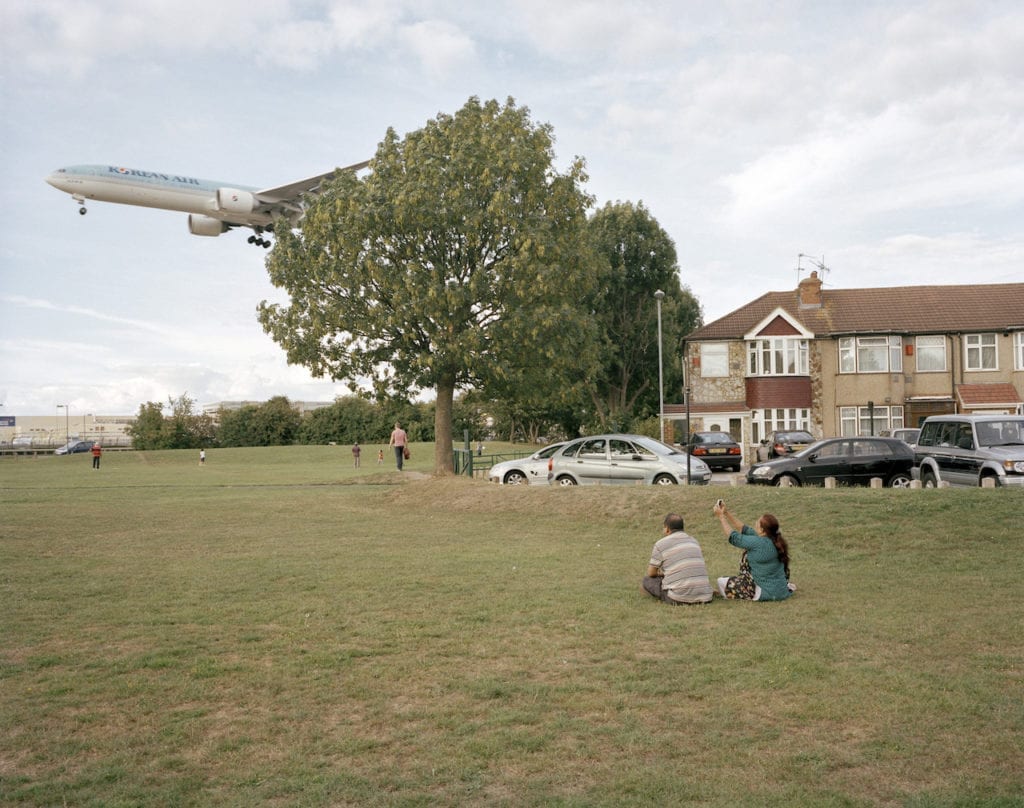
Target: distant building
(44, 431)
(302, 407)
(855, 361)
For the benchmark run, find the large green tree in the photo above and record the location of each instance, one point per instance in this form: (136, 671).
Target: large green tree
(638, 259)
(458, 261)
(184, 428)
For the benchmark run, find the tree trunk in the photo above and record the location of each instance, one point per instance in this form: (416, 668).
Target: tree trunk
(444, 463)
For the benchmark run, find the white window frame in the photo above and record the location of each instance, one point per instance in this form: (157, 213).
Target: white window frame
(929, 346)
(1018, 350)
(855, 421)
(975, 345)
(762, 422)
(854, 353)
(714, 360)
(778, 356)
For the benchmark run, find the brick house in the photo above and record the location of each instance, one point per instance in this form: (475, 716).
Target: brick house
(854, 361)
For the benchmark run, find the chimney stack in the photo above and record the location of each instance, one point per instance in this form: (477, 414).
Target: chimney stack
(810, 292)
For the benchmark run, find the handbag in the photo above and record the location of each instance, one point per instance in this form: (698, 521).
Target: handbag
(406, 453)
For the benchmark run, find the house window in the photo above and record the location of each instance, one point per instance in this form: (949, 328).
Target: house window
(980, 352)
(777, 356)
(856, 421)
(1018, 350)
(763, 422)
(714, 359)
(870, 355)
(931, 354)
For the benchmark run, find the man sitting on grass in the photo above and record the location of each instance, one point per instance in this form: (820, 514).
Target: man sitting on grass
(676, 572)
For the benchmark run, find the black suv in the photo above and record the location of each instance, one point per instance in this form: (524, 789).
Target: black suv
(967, 449)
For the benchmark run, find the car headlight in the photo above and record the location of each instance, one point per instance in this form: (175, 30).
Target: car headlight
(761, 471)
(1014, 466)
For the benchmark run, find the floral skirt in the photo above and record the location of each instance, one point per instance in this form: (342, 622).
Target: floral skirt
(742, 586)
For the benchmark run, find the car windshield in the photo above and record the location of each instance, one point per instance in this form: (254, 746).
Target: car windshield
(822, 447)
(1000, 433)
(658, 447)
(715, 437)
(794, 437)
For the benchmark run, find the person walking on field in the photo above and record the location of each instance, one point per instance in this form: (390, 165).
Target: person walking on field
(97, 450)
(400, 440)
(356, 451)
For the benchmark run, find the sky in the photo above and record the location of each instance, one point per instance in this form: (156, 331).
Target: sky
(883, 139)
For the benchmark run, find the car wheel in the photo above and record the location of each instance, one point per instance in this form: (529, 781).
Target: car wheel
(899, 481)
(784, 480)
(665, 479)
(565, 482)
(928, 480)
(516, 478)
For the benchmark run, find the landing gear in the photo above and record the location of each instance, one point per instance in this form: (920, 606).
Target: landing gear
(82, 210)
(258, 239)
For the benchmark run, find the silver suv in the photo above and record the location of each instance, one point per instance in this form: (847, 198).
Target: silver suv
(965, 449)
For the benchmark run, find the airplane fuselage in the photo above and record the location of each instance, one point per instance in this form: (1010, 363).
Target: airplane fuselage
(152, 189)
(212, 207)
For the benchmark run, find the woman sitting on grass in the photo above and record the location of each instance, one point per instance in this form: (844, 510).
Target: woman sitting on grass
(764, 565)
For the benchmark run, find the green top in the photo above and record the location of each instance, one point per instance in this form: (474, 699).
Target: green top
(768, 572)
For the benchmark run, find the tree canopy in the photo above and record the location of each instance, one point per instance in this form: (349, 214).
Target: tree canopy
(459, 261)
(638, 258)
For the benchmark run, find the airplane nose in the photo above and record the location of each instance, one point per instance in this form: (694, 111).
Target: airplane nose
(56, 180)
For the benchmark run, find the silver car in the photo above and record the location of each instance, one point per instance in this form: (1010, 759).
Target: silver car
(623, 460)
(530, 470)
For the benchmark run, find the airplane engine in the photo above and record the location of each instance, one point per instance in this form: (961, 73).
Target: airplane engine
(205, 225)
(231, 200)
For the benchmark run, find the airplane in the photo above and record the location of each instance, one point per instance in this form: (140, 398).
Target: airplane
(213, 207)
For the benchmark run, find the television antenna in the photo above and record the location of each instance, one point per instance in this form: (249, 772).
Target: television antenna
(814, 262)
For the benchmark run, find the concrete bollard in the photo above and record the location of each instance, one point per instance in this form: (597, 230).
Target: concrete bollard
(988, 482)
(786, 482)
(915, 484)
(830, 482)
(877, 482)
(944, 484)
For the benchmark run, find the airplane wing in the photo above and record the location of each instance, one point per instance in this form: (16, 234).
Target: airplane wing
(290, 193)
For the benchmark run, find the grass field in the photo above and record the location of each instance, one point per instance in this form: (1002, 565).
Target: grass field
(276, 628)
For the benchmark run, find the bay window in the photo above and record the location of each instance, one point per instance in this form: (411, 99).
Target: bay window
(777, 356)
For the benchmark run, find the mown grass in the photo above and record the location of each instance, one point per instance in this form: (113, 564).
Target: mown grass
(278, 628)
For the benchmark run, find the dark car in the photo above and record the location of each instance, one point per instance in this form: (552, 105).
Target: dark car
(851, 461)
(74, 447)
(784, 442)
(717, 449)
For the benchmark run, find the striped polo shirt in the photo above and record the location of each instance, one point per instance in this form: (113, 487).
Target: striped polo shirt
(681, 561)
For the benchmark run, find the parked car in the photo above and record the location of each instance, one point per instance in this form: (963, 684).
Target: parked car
(717, 449)
(624, 460)
(530, 470)
(784, 442)
(852, 461)
(967, 449)
(74, 446)
(908, 435)
(22, 441)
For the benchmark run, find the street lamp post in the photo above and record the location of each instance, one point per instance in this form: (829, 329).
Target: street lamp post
(67, 426)
(659, 296)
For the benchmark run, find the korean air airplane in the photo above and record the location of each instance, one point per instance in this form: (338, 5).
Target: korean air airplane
(213, 207)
